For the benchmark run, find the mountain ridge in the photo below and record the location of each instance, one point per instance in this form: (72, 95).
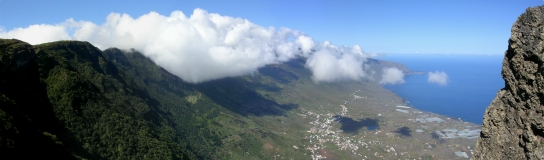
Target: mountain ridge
(79, 102)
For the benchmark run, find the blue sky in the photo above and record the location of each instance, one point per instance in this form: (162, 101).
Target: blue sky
(376, 26)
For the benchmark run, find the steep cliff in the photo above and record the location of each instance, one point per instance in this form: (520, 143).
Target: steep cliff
(513, 125)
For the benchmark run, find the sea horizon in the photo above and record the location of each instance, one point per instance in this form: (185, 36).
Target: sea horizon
(473, 82)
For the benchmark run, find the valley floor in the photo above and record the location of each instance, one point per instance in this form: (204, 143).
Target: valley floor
(368, 127)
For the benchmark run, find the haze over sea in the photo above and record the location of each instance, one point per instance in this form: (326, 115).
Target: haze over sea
(473, 83)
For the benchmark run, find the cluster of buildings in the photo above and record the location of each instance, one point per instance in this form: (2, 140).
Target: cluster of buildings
(454, 133)
(447, 133)
(325, 133)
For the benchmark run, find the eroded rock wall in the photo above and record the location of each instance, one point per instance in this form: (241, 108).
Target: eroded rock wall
(513, 125)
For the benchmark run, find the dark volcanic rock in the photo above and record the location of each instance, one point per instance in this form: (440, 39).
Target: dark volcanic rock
(513, 125)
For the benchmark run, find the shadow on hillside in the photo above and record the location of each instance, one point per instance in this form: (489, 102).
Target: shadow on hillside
(404, 131)
(239, 96)
(259, 86)
(278, 74)
(28, 118)
(349, 125)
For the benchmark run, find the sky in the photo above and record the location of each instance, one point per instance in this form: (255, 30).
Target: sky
(206, 40)
(396, 26)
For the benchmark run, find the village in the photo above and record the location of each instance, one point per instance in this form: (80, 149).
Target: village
(387, 133)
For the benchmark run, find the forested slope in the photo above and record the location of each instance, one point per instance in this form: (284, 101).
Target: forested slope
(68, 99)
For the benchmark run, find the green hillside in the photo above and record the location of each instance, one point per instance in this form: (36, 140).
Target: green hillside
(69, 99)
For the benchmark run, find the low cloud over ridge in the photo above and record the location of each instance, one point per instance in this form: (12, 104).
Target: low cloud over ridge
(438, 77)
(204, 46)
(392, 76)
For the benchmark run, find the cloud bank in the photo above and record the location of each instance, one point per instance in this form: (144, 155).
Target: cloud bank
(438, 77)
(392, 76)
(204, 46)
(331, 63)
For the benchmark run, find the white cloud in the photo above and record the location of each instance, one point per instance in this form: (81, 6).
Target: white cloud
(331, 63)
(438, 77)
(204, 46)
(39, 33)
(306, 44)
(392, 76)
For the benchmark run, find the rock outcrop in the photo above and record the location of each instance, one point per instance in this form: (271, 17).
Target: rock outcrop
(513, 125)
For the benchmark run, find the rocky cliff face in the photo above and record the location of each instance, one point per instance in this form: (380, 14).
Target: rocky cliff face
(513, 125)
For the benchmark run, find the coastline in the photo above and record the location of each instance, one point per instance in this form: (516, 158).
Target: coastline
(381, 124)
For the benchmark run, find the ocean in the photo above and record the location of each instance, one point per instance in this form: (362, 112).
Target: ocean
(473, 83)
